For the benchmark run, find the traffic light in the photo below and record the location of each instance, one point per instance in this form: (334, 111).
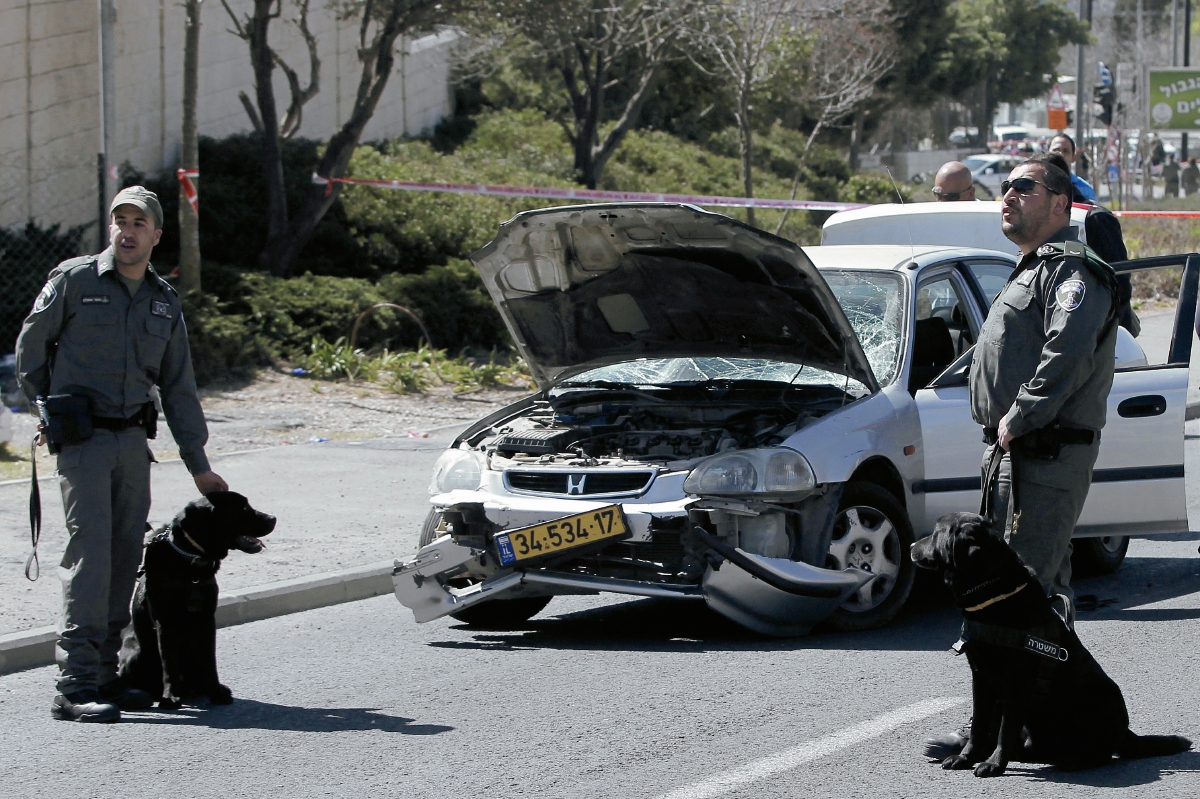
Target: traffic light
(1104, 96)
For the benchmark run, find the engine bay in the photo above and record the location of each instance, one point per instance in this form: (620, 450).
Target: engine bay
(664, 427)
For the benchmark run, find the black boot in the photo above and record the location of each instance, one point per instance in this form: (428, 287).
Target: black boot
(117, 693)
(947, 744)
(84, 705)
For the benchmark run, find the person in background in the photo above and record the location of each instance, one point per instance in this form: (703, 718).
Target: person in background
(1190, 177)
(1171, 177)
(954, 183)
(1064, 145)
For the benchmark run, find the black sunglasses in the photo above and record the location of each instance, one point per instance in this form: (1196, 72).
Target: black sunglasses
(948, 196)
(1023, 186)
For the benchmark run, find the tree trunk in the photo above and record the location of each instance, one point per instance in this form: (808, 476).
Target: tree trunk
(189, 224)
(856, 133)
(262, 60)
(746, 141)
(281, 253)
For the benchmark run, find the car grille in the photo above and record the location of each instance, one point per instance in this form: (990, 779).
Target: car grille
(579, 483)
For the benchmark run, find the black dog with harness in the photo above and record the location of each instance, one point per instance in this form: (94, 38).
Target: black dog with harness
(1038, 694)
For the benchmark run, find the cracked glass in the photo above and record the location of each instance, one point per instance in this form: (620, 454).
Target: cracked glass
(873, 304)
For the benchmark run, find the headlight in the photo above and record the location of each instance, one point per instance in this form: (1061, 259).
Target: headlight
(455, 469)
(775, 472)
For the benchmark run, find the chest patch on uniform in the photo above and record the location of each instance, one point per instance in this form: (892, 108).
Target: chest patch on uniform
(162, 309)
(1070, 294)
(95, 299)
(46, 297)
(1044, 250)
(1025, 278)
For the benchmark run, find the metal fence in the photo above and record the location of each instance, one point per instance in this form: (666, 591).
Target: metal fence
(26, 256)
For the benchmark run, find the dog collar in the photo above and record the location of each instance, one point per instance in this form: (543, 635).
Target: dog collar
(988, 602)
(192, 541)
(195, 560)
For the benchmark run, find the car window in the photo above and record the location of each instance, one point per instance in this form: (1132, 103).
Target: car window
(941, 298)
(974, 164)
(872, 302)
(991, 278)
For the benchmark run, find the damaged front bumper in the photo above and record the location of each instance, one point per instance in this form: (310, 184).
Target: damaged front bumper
(772, 596)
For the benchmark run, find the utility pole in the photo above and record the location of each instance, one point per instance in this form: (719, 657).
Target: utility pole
(189, 222)
(108, 110)
(1083, 105)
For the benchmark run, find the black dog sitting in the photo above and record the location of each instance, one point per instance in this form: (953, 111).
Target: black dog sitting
(1039, 696)
(170, 649)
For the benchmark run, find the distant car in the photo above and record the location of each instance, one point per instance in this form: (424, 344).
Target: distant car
(989, 171)
(725, 416)
(6, 425)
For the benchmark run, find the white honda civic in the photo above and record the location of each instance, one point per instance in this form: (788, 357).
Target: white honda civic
(725, 417)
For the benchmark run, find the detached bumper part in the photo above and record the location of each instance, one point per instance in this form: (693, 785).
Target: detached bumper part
(774, 596)
(416, 585)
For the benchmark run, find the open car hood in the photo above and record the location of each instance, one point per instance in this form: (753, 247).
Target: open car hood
(586, 286)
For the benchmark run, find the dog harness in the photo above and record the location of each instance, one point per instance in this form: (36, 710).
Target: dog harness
(1009, 638)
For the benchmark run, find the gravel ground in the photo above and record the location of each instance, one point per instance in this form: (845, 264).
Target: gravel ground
(278, 409)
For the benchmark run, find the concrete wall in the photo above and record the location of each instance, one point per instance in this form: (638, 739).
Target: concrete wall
(50, 104)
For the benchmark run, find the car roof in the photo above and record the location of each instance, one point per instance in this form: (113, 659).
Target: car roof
(891, 257)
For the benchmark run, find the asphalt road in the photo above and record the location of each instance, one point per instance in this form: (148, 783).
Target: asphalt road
(607, 697)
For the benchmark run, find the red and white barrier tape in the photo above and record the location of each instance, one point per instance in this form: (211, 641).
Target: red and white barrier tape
(1169, 214)
(591, 194)
(189, 189)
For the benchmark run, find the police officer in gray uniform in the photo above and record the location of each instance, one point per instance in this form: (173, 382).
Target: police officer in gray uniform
(1040, 378)
(1041, 375)
(107, 328)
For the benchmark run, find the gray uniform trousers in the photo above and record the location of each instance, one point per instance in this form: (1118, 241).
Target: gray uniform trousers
(105, 484)
(1050, 497)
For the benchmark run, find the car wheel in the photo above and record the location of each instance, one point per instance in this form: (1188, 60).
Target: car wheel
(1096, 556)
(429, 530)
(495, 614)
(502, 614)
(871, 532)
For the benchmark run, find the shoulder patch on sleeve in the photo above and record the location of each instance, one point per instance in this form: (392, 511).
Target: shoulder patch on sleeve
(1070, 294)
(46, 297)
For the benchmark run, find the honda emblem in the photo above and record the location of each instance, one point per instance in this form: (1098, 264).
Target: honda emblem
(575, 483)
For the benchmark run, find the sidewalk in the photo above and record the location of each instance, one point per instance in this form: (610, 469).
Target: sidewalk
(341, 506)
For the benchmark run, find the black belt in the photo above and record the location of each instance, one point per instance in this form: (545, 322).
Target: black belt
(1060, 435)
(117, 425)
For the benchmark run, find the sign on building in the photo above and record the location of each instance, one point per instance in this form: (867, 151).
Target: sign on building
(1174, 98)
(1056, 110)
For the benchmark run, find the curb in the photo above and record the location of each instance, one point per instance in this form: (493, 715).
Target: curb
(34, 648)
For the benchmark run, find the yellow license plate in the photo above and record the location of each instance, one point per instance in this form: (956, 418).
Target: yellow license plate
(603, 524)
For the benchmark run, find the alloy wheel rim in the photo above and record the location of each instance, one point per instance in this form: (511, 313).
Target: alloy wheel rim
(865, 538)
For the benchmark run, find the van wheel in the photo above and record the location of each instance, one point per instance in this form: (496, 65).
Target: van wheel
(871, 532)
(1097, 556)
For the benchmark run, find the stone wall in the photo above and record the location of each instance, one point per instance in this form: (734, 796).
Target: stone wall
(50, 130)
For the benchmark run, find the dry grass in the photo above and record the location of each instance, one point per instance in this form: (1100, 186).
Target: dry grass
(1149, 236)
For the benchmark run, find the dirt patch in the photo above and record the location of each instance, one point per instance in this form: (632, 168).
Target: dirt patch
(278, 409)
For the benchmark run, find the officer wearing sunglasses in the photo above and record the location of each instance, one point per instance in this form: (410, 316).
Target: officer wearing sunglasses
(1041, 374)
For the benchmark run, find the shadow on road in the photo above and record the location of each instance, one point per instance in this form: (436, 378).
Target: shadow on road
(649, 625)
(1121, 774)
(1139, 581)
(248, 714)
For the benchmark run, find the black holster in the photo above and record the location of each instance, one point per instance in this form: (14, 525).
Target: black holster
(66, 419)
(150, 419)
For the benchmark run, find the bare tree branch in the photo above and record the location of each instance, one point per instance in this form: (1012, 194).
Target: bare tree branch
(290, 123)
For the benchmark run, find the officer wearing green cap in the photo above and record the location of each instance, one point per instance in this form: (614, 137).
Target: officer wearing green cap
(106, 328)
(1041, 374)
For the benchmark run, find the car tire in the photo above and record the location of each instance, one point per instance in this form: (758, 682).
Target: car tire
(1098, 556)
(502, 614)
(872, 530)
(495, 614)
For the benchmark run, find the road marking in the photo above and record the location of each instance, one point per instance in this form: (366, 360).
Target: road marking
(808, 752)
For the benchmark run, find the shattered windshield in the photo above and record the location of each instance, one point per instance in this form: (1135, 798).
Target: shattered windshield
(664, 371)
(872, 302)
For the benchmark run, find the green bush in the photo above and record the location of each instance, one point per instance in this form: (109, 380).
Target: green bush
(26, 256)
(224, 345)
(873, 188)
(453, 304)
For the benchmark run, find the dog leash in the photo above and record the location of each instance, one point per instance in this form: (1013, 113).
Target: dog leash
(33, 569)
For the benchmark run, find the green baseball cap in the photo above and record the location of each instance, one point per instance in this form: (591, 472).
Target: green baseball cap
(139, 197)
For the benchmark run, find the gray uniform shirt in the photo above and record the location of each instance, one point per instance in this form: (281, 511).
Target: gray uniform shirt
(1048, 348)
(86, 336)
